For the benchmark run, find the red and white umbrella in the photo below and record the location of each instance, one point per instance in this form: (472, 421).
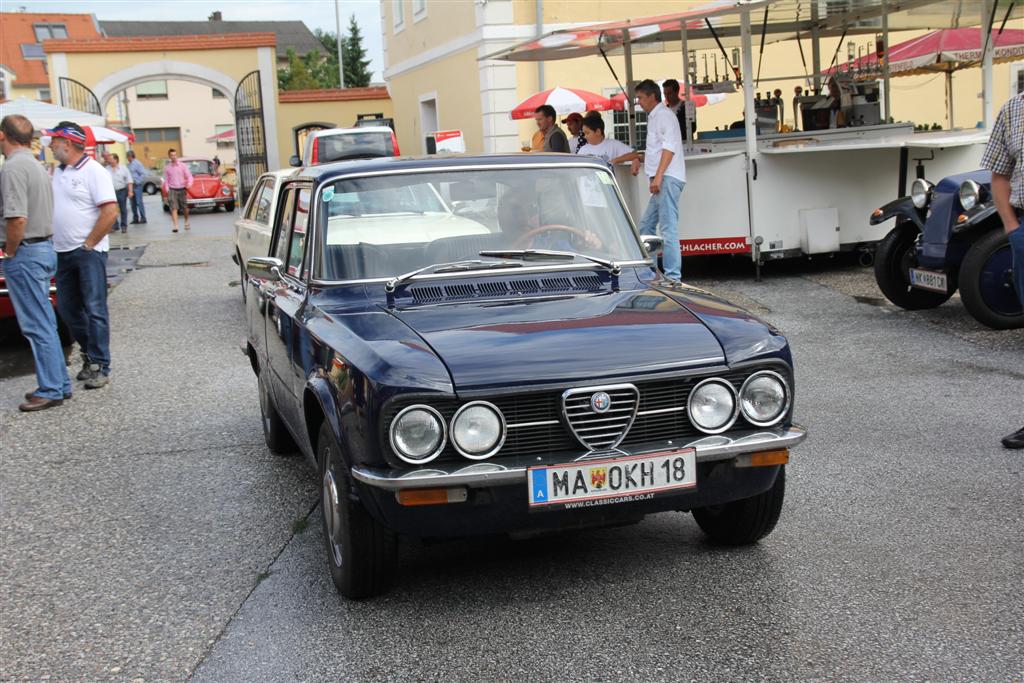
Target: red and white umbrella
(699, 100)
(564, 100)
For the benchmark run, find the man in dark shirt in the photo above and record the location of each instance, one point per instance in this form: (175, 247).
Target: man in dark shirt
(554, 137)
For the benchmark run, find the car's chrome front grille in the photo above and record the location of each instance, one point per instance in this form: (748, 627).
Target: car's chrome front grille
(599, 417)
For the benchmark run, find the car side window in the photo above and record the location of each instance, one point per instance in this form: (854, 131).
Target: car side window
(284, 226)
(259, 211)
(298, 236)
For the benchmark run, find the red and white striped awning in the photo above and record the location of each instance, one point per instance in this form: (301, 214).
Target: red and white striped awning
(226, 136)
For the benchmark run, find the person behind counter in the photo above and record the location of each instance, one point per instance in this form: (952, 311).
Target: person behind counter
(554, 137)
(609, 149)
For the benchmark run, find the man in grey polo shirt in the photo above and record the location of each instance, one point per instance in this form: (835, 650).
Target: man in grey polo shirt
(31, 262)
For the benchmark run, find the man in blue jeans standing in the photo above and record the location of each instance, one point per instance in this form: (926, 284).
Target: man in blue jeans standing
(138, 172)
(84, 210)
(664, 166)
(1004, 156)
(25, 238)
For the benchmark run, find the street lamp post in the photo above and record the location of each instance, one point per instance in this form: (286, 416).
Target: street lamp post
(337, 37)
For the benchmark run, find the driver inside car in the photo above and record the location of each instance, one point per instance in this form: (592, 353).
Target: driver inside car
(528, 226)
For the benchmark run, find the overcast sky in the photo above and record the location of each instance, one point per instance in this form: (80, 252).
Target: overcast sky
(314, 13)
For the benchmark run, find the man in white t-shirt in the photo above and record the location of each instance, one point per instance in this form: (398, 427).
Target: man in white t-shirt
(84, 211)
(609, 149)
(663, 164)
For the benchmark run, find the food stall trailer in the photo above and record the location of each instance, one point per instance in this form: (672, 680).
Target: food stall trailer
(780, 194)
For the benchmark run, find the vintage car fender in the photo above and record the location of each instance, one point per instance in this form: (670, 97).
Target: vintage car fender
(904, 206)
(969, 221)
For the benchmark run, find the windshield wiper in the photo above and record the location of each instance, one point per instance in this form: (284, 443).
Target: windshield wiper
(548, 255)
(452, 267)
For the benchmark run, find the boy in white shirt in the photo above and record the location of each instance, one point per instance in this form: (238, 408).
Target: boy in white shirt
(609, 149)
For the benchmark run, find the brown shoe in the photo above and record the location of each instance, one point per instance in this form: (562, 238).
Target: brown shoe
(29, 395)
(36, 403)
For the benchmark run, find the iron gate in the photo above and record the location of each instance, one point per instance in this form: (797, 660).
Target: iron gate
(250, 134)
(75, 95)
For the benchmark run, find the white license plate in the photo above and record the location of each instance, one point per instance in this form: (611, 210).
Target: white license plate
(613, 480)
(928, 279)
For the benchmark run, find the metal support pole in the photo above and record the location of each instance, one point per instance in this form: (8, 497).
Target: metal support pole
(540, 32)
(686, 87)
(949, 100)
(988, 114)
(748, 121)
(337, 37)
(815, 48)
(630, 91)
(885, 63)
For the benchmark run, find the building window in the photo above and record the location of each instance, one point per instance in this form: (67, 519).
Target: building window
(620, 128)
(419, 9)
(218, 95)
(43, 94)
(32, 51)
(398, 14)
(50, 32)
(157, 134)
(1016, 78)
(223, 128)
(151, 90)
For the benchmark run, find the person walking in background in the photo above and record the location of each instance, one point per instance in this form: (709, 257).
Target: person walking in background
(554, 138)
(138, 172)
(178, 179)
(84, 211)
(25, 237)
(1004, 156)
(663, 164)
(122, 179)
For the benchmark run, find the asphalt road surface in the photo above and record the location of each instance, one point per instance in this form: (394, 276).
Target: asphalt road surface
(147, 533)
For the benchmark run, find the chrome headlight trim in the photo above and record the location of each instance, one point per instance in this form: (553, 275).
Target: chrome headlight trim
(785, 407)
(444, 434)
(735, 405)
(921, 193)
(501, 439)
(969, 194)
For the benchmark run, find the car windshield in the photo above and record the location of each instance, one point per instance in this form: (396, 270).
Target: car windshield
(381, 226)
(354, 146)
(200, 167)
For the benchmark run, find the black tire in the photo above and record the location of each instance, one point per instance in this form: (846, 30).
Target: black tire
(746, 521)
(275, 433)
(229, 207)
(361, 553)
(986, 283)
(149, 188)
(894, 257)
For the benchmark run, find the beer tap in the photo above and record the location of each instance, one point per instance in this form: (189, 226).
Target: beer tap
(706, 73)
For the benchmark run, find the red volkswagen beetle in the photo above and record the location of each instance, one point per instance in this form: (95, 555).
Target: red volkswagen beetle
(208, 190)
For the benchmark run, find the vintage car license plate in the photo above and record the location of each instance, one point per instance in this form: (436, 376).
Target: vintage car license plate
(928, 279)
(613, 480)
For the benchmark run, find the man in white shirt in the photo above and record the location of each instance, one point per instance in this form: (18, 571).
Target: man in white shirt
(122, 180)
(84, 211)
(663, 164)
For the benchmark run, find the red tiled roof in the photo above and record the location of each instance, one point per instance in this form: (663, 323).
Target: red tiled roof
(334, 94)
(16, 29)
(163, 43)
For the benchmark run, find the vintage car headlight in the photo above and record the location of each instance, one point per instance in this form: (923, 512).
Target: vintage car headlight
(225, 191)
(970, 193)
(478, 430)
(921, 192)
(418, 434)
(764, 398)
(712, 405)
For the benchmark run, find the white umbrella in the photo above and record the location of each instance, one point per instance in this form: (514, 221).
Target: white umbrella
(46, 115)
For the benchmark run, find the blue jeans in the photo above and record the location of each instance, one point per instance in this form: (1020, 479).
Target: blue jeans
(28, 276)
(138, 208)
(1017, 248)
(82, 302)
(663, 210)
(122, 206)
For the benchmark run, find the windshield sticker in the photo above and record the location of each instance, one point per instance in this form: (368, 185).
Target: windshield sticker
(591, 193)
(328, 194)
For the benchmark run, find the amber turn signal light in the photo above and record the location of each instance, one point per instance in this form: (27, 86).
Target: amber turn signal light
(431, 496)
(876, 213)
(962, 218)
(764, 458)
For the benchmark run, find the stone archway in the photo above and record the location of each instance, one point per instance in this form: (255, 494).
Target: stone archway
(164, 69)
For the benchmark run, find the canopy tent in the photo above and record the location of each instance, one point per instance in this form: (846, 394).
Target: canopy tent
(564, 100)
(943, 51)
(47, 115)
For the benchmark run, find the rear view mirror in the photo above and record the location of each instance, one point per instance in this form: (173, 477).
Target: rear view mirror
(468, 190)
(264, 268)
(652, 243)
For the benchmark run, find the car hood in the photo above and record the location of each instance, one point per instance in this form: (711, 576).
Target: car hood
(571, 338)
(204, 186)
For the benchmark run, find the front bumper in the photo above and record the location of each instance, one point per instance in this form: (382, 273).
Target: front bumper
(489, 474)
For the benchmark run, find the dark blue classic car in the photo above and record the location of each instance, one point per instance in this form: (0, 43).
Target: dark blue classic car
(481, 345)
(947, 237)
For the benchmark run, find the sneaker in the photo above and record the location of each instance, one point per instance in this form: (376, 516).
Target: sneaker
(85, 373)
(98, 381)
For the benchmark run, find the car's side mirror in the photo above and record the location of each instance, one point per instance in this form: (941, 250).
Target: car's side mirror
(264, 268)
(295, 160)
(652, 243)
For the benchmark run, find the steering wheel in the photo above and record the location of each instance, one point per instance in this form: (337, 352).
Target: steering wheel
(524, 241)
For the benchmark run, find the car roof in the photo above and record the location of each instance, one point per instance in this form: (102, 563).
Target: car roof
(455, 161)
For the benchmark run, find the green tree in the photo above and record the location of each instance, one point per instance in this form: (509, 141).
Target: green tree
(357, 75)
(296, 76)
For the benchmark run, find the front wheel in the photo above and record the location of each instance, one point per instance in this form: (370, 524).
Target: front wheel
(745, 521)
(361, 553)
(986, 282)
(229, 207)
(149, 188)
(894, 257)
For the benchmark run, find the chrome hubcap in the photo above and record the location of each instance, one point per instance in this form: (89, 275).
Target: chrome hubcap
(332, 515)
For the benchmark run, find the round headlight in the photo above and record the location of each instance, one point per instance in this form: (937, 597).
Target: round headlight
(970, 192)
(920, 192)
(712, 406)
(417, 434)
(764, 398)
(478, 430)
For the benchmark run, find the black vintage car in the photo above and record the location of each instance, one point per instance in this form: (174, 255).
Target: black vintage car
(480, 345)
